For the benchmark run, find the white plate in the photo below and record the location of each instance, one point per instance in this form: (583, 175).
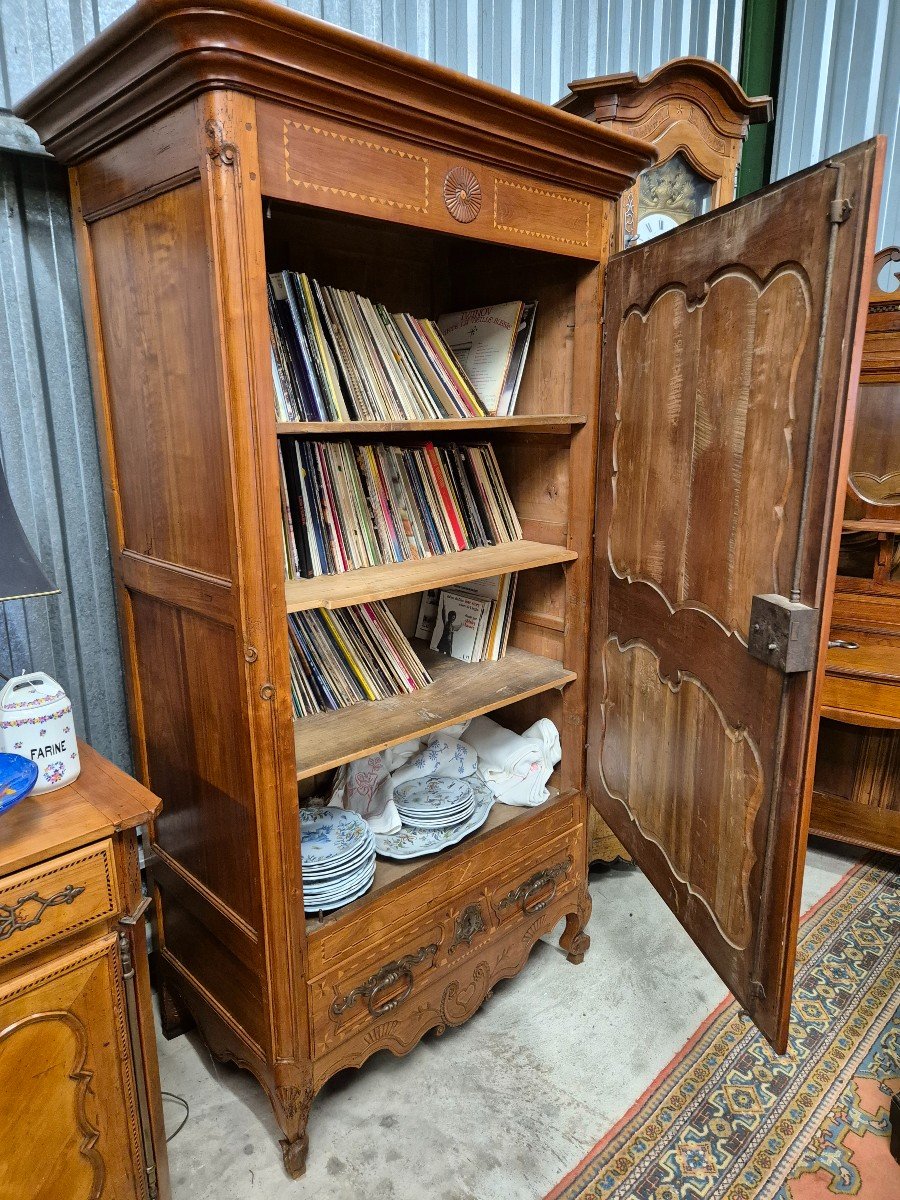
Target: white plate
(420, 822)
(331, 905)
(432, 795)
(331, 835)
(328, 870)
(346, 883)
(415, 843)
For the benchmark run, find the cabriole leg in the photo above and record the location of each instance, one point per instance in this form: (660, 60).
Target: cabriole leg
(574, 940)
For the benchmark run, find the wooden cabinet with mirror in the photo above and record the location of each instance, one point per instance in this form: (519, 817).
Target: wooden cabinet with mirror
(209, 143)
(696, 117)
(857, 792)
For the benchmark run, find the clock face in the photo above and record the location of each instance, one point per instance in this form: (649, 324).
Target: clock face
(653, 224)
(669, 194)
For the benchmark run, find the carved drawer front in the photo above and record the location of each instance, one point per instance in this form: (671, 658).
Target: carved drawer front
(541, 880)
(372, 986)
(471, 868)
(46, 903)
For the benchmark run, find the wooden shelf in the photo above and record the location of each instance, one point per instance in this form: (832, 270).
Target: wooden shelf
(459, 691)
(871, 526)
(420, 574)
(389, 873)
(556, 423)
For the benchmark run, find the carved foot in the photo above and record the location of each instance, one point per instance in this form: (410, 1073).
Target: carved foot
(295, 1155)
(574, 940)
(174, 1016)
(292, 1102)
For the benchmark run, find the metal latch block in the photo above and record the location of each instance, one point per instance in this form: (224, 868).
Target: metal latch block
(783, 634)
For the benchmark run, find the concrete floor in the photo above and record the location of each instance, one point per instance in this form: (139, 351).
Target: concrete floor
(499, 1109)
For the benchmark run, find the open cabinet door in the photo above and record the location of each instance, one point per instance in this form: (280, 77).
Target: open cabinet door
(731, 355)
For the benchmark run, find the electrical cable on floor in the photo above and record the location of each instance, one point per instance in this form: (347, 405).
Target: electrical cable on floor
(187, 1112)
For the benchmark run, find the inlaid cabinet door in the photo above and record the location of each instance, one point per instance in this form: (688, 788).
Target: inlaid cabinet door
(69, 1126)
(731, 357)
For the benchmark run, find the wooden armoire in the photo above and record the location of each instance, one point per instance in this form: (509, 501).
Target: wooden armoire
(675, 458)
(857, 787)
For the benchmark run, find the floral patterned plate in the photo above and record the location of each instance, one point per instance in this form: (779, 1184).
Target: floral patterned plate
(430, 797)
(415, 843)
(332, 889)
(329, 869)
(337, 902)
(331, 835)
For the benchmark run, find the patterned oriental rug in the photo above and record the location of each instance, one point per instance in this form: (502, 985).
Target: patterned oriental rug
(729, 1119)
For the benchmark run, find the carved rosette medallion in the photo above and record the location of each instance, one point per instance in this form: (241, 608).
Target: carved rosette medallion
(462, 194)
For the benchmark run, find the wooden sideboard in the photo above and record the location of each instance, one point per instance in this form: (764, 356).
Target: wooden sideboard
(211, 141)
(857, 795)
(81, 1112)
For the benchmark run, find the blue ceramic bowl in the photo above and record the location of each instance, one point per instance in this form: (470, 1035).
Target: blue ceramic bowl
(18, 775)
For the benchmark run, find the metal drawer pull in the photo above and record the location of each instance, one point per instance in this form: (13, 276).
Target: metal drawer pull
(840, 644)
(384, 979)
(10, 920)
(534, 886)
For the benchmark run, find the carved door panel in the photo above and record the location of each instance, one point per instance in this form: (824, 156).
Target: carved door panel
(731, 356)
(69, 1123)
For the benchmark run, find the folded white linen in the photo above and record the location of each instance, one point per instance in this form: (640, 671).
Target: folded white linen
(367, 785)
(441, 755)
(514, 766)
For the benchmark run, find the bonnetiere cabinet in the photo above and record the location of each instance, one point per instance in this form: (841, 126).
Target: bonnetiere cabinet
(209, 142)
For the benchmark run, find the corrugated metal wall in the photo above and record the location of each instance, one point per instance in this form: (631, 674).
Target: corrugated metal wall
(49, 451)
(47, 438)
(840, 83)
(532, 46)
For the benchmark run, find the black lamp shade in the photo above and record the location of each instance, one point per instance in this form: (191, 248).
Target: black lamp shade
(21, 574)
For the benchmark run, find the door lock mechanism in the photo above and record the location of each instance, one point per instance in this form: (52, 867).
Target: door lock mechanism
(783, 633)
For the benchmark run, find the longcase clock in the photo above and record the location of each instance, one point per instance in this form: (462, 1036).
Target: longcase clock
(697, 116)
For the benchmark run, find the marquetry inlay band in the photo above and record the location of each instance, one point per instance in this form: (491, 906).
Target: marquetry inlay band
(325, 173)
(522, 213)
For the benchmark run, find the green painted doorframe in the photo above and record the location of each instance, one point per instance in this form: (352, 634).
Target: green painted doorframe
(761, 50)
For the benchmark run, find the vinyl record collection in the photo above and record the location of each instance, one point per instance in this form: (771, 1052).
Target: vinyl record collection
(337, 356)
(471, 621)
(341, 657)
(357, 505)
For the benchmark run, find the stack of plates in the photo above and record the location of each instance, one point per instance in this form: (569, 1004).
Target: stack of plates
(337, 853)
(434, 803)
(420, 800)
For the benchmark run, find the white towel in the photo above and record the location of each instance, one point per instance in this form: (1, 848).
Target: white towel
(515, 767)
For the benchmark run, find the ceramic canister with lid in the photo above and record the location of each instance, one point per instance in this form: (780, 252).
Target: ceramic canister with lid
(36, 722)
